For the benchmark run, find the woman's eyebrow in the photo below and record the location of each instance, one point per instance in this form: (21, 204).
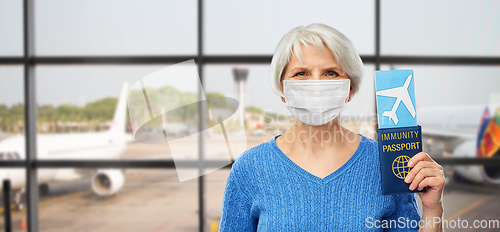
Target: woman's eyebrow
(336, 69)
(298, 69)
(333, 67)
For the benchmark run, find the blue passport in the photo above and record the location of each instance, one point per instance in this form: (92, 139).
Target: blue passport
(396, 146)
(399, 136)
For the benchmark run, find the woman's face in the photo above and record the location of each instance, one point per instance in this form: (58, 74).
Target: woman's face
(315, 66)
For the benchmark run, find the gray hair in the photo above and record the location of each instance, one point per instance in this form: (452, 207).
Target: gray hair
(317, 35)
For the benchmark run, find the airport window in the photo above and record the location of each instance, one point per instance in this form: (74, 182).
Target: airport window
(160, 202)
(61, 80)
(115, 28)
(441, 28)
(261, 24)
(11, 41)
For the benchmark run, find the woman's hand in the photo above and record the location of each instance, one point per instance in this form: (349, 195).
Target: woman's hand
(426, 173)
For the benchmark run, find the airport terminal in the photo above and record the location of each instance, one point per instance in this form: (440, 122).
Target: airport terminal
(129, 115)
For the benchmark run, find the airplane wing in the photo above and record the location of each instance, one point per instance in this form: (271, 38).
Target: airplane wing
(409, 105)
(392, 116)
(390, 92)
(447, 133)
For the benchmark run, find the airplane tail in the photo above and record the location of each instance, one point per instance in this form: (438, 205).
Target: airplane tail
(485, 120)
(391, 115)
(120, 117)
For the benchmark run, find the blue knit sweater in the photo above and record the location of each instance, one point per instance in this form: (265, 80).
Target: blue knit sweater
(266, 191)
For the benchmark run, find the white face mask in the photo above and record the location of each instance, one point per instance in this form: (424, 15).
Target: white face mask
(316, 102)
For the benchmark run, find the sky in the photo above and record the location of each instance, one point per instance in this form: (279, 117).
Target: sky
(117, 27)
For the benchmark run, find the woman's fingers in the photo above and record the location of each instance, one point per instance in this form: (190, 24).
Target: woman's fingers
(433, 182)
(426, 174)
(424, 168)
(421, 156)
(416, 169)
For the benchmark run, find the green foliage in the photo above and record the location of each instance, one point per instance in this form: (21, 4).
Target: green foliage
(97, 111)
(216, 100)
(158, 102)
(102, 110)
(255, 109)
(11, 116)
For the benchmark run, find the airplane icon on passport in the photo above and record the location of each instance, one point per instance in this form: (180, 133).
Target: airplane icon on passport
(404, 94)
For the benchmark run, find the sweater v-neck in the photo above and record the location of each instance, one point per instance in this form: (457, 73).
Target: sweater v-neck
(335, 174)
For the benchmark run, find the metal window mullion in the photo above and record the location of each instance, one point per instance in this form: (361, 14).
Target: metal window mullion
(377, 51)
(92, 164)
(246, 59)
(201, 121)
(377, 34)
(30, 116)
(169, 164)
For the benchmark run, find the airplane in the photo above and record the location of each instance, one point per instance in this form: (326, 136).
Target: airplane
(93, 145)
(458, 128)
(402, 95)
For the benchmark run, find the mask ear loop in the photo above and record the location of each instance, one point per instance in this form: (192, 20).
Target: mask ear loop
(350, 89)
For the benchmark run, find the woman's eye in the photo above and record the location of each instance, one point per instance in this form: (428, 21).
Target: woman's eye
(332, 73)
(301, 74)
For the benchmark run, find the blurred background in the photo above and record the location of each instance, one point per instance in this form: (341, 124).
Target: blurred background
(79, 54)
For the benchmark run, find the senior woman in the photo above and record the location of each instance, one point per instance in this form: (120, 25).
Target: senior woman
(319, 176)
